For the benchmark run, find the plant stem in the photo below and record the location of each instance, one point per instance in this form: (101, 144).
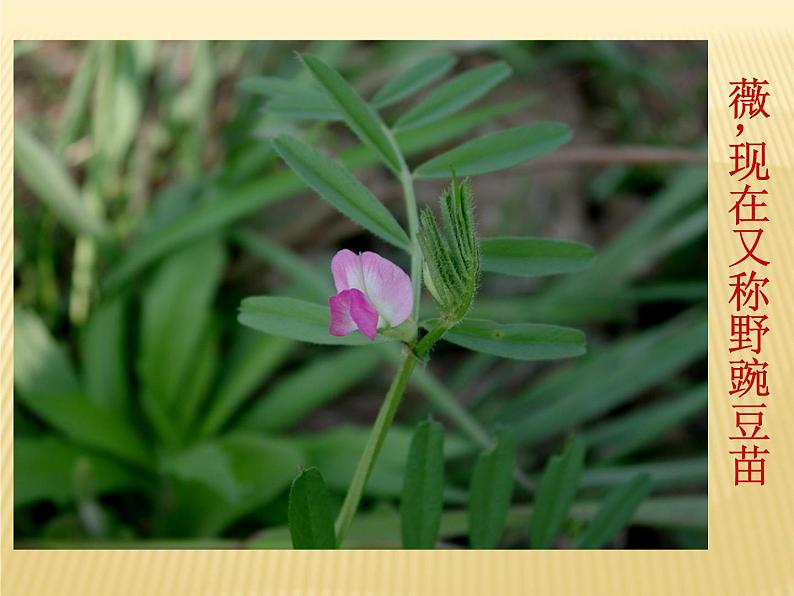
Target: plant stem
(412, 214)
(435, 333)
(374, 443)
(406, 180)
(390, 404)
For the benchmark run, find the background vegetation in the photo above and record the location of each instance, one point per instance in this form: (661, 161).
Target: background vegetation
(149, 201)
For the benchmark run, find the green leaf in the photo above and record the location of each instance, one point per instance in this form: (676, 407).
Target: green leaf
(605, 379)
(269, 86)
(379, 527)
(207, 464)
(359, 116)
(104, 357)
(497, 150)
(77, 101)
(412, 80)
(247, 472)
(311, 523)
(235, 203)
(336, 452)
(45, 470)
(295, 319)
(310, 387)
(291, 98)
(617, 510)
(665, 474)
(305, 105)
(556, 492)
(491, 492)
(196, 387)
(253, 358)
(46, 384)
(173, 325)
(423, 487)
(48, 179)
(619, 436)
(287, 262)
(338, 186)
(520, 341)
(646, 239)
(454, 95)
(208, 217)
(117, 103)
(456, 126)
(533, 257)
(41, 367)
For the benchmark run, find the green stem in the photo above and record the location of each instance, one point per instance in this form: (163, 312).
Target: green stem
(374, 443)
(406, 180)
(432, 336)
(412, 214)
(390, 404)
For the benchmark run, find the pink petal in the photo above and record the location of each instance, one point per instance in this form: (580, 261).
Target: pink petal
(346, 269)
(350, 310)
(386, 286)
(364, 314)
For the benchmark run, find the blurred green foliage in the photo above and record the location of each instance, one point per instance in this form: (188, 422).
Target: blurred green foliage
(149, 200)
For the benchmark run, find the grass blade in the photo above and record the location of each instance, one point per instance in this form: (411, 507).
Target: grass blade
(258, 469)
(336, 452)
(311, 523)
(48, 179)
(491, 493)
(49, 465)
(310, 387)
(623, 435)
(172, 328)
(556, 492)
(617, 510)
(46, 384)
(605, 379)
(78, 99)
(271, 86)
(104, 357)
(207, 464)
(254, 358)
(379, 527)
(665, 474)
(423, 487)
(497, 150)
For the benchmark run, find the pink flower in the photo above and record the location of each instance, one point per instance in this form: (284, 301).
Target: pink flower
(372, 293)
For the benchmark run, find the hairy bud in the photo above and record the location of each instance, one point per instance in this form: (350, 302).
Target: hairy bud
(451, 258)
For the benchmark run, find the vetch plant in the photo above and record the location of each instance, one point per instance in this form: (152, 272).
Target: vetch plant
(142, 411)
(377, 301)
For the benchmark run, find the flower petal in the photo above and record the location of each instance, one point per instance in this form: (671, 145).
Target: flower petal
(341, 322)
(346, 269)
(363, 313)
(350, 310)
(385, 285)
(388, 288)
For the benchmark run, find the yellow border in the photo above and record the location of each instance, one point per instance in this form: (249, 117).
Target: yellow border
(751, 529)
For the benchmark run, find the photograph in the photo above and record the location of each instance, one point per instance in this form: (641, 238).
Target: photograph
(333, 294)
